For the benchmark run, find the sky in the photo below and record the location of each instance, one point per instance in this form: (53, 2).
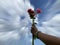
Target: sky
(15, 22)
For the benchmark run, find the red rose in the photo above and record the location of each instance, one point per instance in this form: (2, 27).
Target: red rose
(31, 13)
(38, 10)
(29, 10)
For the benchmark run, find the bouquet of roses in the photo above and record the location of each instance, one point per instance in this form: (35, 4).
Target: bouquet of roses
(32, 15)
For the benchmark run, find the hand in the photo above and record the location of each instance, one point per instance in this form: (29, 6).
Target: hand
(33, 29)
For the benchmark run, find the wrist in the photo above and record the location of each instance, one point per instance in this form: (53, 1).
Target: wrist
(36, 33)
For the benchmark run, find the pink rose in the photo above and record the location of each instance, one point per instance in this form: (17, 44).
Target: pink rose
(38, 10)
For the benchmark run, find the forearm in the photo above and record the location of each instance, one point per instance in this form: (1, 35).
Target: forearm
(48, 39)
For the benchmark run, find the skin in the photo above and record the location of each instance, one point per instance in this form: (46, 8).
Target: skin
(47, 39)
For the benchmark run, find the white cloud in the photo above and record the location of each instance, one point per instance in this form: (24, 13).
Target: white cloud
(8, 35)
(52, 26)
(14, 30)
(53, 9)
(12, 27)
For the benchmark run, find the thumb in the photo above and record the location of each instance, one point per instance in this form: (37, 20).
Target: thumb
(33, 24)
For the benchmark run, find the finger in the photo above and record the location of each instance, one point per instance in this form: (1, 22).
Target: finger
(33, 24)
(32, 28)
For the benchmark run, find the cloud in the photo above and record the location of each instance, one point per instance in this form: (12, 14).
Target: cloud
(8, 35)
(14, 22)
(52, 26)
(55, 7)
(51, 9)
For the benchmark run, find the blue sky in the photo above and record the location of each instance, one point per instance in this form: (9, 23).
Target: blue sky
(15, 22)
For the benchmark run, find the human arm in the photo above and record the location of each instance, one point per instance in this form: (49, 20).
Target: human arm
(47, 39)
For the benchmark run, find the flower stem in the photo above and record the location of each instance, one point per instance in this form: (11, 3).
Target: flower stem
(33, 35)
(32, 39)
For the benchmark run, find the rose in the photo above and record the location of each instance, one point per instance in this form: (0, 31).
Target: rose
(38, 10)
(31, 13)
